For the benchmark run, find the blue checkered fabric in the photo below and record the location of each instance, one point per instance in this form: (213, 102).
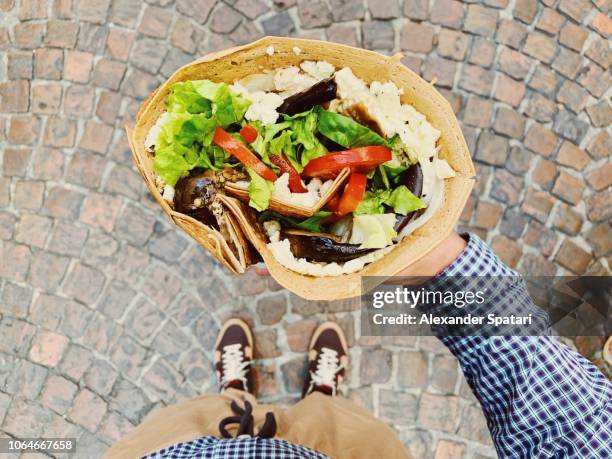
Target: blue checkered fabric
(210, 447)
(540, 398)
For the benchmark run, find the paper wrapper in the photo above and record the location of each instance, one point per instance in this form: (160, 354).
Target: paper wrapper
(235, 63)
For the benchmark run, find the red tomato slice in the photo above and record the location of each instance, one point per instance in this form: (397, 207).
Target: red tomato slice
(332, 204)
(243, 154)
(295, 182)
(353, 194)
(361, 160)
(249, 133)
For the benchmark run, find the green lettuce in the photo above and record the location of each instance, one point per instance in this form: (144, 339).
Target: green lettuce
(312, 224)
(304, 127)
(346, 131)
(195, 109)
(184, 98)
(260, 191)
(400, 199)
(373, 231)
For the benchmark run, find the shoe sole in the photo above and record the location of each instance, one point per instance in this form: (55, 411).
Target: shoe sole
(326, 326)
(242, 324)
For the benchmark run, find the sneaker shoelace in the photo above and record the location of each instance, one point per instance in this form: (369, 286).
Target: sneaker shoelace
(234, 365)
(328, 366)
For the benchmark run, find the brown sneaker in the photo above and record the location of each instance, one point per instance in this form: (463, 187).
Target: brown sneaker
(327, 360)
(234, 356)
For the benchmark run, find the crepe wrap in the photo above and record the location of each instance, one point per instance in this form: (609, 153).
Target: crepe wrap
(235, 63)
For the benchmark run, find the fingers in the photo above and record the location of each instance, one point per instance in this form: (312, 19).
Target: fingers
(261, 270)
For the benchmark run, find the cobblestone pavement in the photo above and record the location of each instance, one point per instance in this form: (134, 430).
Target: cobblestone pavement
(107, 312)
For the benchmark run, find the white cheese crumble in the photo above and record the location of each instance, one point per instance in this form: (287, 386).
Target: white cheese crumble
(270, 50)
(168, 193)
(319, 69)
(290, 80)
(263, 104)
(296, 50)
(153, 133)
(316, 189)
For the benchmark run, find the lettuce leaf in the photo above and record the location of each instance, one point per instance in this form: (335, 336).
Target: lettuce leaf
(260, 191)
(304, 127)
(195, 109)
(346, 131)
(403, 201)
(184, 98)
(400, 199)
(373, 231)
(312, 224)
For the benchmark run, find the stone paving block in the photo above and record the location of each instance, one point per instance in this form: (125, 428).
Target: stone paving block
(61, 34)
(540, 140)
(481, 20)
(397, 407)
(567, 125)
(381, 35)
(573, 257)
(412, 369)
(544, 173)
(598, 206)
(100, 334)
(19, 65)
(509, 123)
(438, 412)
(567, 220)
(419, 442)
(170, 341)
(550, 21)
(119, 42)
(483, 52)
(25, 419)
(129, 357)
(63, 202)
(100, 377)
(600, 146)
(84, 284)
(114, 428)
(88, 410)
(15, 162)
(47, 348)
(510, 33)
(540, 108)
(162, 380)
(47, 270)
(384, 9)
(67, 239)
(29, 35)
(58, 394)
(448, 13)
(26, 379)
(568, 187)
(33, 229)
(15, 299)
(416, 37)
(380, 369)
(447, 449)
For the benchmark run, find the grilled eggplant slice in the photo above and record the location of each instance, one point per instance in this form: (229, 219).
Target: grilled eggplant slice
(317, 94)
(322, 247)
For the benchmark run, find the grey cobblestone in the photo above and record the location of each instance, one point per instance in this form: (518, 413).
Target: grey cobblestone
(107, 311)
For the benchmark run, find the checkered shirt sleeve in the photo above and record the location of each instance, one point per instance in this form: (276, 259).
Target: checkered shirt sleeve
(210, 447)
(540, 398)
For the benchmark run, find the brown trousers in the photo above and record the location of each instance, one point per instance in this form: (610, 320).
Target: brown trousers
(334, 426)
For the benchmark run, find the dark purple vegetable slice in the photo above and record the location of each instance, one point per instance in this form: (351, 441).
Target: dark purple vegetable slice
(413, 179)
(320, 248)
(193, 196)
(317, 94)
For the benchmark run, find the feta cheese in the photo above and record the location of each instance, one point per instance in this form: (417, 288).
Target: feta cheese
(296, 50)
(168, 193)
(263, 104)
(153, 133)
(318, 70)
(290, 80)
(270, 50)
(315, 187)
(258, 82)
